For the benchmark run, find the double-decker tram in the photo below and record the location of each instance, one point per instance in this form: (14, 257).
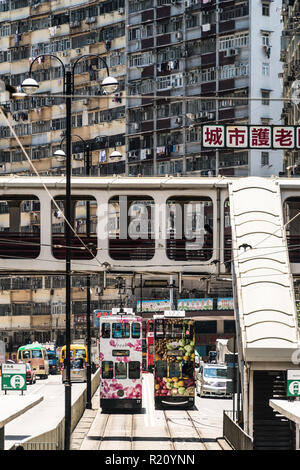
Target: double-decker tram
(174, 357)
(121, 361)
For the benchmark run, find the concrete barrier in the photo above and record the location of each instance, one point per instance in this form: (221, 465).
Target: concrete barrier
(54, 438)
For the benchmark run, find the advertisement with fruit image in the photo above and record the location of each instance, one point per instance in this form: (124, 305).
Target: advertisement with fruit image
(174, 375)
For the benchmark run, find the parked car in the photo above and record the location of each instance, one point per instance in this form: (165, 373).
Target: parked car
(30, 374)
(212, 380)
(78, 371)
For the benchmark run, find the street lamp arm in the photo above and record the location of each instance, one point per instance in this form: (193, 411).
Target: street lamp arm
(90, 55)
(80, 138)
(48, 55)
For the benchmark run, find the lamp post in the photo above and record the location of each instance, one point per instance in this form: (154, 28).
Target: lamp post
(60, 153)
(29, 86)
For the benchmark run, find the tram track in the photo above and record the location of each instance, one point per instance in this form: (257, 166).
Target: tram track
(190, 422)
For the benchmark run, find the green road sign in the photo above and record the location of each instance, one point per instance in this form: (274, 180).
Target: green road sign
(13, 377)
(293, 383)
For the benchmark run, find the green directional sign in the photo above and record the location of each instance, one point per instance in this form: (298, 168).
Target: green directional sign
(13, 377)
(293, 383)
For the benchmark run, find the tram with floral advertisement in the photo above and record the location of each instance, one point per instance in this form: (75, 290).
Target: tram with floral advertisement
(174, 361)
(121, 361)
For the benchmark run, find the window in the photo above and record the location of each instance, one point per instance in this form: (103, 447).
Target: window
(174, 369)
(265, 9)
(265, 97)
(266, 69)
(107, 370)
(134, 370)
(161, 368)
(265, 39)
(120, 330)
(264, 158)
(206, 327)
(120, 370)
(135, 330)
(105, 330)
(36, 354)
(229, 326)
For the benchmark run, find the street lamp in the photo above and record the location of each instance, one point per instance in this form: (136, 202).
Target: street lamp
(29, 86)
(61, 154)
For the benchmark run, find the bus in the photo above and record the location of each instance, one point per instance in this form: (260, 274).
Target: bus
(77, 350)
(174, 362)
(52, 357)
(150, 345)
(36, 354)
(121, 362)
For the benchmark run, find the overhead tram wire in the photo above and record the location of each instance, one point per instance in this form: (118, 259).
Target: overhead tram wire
(168, 97)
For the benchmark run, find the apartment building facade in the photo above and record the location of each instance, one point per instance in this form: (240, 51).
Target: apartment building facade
(180, 64)
(290, 57)
(172, 49)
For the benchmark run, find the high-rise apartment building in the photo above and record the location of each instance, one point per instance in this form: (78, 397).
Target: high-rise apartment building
(173, 58)
(290, 56)
(180, 64)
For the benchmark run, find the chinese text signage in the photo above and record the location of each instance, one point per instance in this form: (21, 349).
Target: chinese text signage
(251, 137)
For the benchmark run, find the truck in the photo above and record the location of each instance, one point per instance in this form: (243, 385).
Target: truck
(225, 351)
(221, 350)
(52, 357)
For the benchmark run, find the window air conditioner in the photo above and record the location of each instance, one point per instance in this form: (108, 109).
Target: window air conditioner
(78, 51)
(211, 115)
(179, 35)
(78, 156)
(121, 11)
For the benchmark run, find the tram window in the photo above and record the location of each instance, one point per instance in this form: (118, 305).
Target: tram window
(144, 329)
(135, 330)
(120, 370)
(107, 370)
(189, 330)
(174, 329)
(134, 370)
(105, 330)
(161, 368)
(26, 354)
(174, 369)
(159, 328)
(120, 330)
(188, 369)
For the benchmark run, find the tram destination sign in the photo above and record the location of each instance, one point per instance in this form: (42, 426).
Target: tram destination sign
(250, 137)
(174, 313)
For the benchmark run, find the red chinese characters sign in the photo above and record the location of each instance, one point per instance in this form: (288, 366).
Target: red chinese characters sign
(237, 136)
(250, 137)
(260, 137)
(213, 136)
